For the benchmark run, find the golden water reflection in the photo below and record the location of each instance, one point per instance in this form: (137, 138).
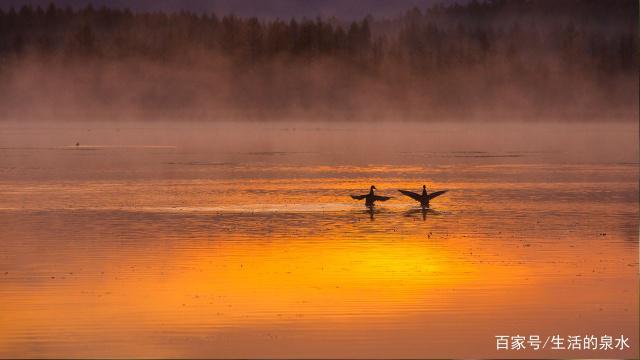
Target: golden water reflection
(345, 283)
(199, 244)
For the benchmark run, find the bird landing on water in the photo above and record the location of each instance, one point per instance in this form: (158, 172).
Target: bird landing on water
(423, 198)
(371, 197)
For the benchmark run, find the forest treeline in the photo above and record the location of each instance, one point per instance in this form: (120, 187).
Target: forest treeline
(585, 51)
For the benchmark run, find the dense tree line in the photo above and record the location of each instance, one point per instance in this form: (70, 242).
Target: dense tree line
(115, 33)
(585, 32)
(524, 55)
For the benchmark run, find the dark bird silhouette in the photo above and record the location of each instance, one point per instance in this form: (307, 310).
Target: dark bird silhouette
(370, 198)
(423, 198)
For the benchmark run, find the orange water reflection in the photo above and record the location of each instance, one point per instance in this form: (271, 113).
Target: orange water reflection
(343, 290)
(179, 252)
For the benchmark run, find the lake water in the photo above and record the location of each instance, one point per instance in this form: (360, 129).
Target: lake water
(221, 240)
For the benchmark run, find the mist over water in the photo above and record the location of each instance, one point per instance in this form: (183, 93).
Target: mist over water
(482, 61)
(72, 150)
(324, 89)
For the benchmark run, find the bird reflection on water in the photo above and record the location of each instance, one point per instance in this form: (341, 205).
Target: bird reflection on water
(422, 210)
(371, 210)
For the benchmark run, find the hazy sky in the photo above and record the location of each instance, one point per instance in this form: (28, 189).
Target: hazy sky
(346, 9)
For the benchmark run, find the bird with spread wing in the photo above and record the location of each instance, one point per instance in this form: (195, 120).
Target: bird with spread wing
(423, 198)
(370, 198)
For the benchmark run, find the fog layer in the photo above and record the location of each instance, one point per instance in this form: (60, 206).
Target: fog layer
(497, 60)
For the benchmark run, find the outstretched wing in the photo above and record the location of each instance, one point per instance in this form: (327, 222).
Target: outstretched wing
(381, 198)
(358, 197)
(412, 195)
(436, 194)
